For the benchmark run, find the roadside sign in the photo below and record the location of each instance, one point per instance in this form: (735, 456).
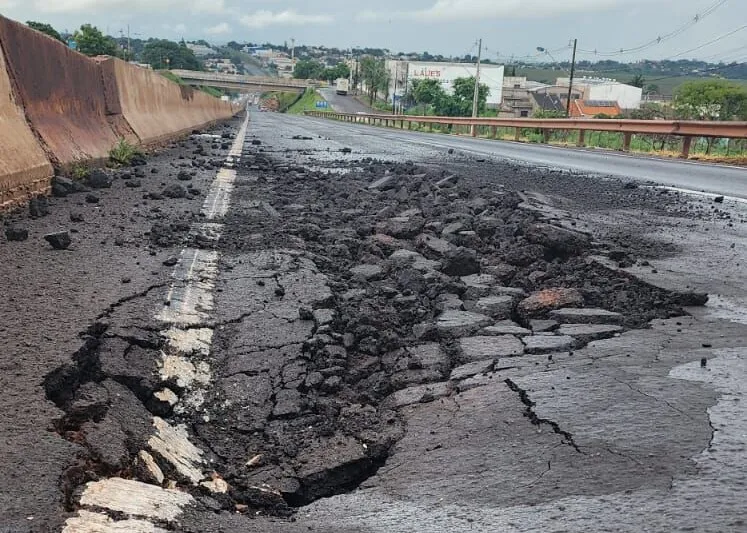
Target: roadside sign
(322, 105)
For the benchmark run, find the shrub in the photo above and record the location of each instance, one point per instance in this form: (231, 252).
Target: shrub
(123, 153)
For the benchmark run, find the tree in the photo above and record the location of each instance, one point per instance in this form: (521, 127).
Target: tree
(652, 88)
(162, 53)
(427, 92)
(638, 81)
(460, 103)
(711, 100)
(92, 42)
(45, 28)
(308, 69)
(376, 77)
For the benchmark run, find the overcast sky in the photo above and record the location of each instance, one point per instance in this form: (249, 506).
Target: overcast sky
(449, 27)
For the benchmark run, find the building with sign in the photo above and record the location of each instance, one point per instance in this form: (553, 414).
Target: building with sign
(403, 72)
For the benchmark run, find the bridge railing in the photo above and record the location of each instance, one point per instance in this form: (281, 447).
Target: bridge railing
(188, 75)
(685, 129)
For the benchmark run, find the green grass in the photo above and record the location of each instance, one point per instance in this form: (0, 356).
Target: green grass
(122, 154)
(306, 103)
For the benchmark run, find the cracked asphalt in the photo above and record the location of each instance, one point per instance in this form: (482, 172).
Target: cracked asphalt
(325, 389)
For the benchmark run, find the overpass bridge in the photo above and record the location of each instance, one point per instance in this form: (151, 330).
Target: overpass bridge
(252, 83)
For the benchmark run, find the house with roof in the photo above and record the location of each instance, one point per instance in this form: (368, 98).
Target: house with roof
(594, 108)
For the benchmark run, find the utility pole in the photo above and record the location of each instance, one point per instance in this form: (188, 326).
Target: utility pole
(476, 99)
(394, 94)
(570, 84)
(129, 45)
(293, 51)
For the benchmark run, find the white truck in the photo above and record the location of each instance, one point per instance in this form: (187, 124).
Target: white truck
(342, 86)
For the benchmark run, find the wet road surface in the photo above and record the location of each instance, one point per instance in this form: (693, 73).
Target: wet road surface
(343, 104)
(717, 179)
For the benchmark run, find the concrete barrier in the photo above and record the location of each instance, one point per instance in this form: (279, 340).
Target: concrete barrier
(24, 169)
(158, 109)
(62, 93)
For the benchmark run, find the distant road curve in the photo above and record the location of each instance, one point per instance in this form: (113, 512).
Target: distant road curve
(343, 104)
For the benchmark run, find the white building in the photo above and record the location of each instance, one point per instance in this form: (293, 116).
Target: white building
(405, 72)
(200, 50)
(605, 89)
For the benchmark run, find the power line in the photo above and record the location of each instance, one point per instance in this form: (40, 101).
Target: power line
(713, 41)
(699, 17)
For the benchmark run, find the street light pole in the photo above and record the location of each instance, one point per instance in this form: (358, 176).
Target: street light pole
(570, 84)
(476, 99)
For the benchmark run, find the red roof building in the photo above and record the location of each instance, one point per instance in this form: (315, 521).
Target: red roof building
(592, 108)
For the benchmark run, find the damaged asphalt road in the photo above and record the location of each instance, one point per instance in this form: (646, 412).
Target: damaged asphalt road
(339, 336)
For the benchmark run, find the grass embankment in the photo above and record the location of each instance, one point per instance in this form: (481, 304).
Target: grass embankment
(212, 91)
(307, 102)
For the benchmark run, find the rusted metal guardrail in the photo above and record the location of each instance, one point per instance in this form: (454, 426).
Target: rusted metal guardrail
(685, 129)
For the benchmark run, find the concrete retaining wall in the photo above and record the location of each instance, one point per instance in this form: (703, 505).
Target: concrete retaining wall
(158, 109)
(62, 93)
(59, 107)
(24, 169)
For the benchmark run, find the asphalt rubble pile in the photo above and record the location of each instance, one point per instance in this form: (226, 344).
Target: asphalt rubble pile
(422, 281)
(434, 279)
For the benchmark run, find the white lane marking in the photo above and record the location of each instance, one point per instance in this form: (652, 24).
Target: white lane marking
(135, 499)
(88, 522)
(189, 303)
(217, 201)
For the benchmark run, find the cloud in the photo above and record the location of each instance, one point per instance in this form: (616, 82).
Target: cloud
(289, 17)
(219, 29)
(176, 28)
(132, 6)
(449, 10)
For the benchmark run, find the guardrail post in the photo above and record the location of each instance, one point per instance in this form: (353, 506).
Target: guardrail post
(686, 143)
(546, 136)
(627, 137)
(430, 127)
(493, 132)
(473, 130)
(581, 138)
(409, 124)
(517, 134)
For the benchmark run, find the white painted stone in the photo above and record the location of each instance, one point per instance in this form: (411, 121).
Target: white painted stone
(186, 373)
(189, 341)
(150, 465)
(135, 499)
(167, 396)
(216, 486)
(88, 522)
(173, 445)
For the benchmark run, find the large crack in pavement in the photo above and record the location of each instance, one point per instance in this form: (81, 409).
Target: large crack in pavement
(536, 420)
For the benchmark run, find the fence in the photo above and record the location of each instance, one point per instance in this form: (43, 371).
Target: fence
(688, 130)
